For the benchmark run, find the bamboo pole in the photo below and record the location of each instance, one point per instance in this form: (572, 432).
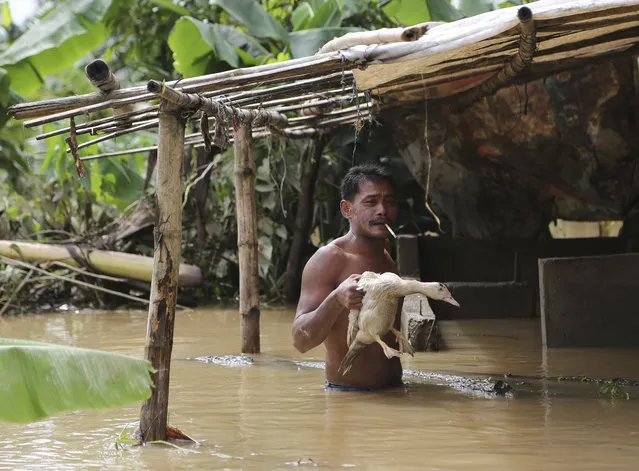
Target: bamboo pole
(295, 68)
(168, 242)
(247, 239)
(215, 107)
(379, 36)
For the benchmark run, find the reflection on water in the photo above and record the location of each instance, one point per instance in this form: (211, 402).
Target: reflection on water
(270, 411)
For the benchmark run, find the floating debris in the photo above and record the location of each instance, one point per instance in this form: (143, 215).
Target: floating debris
(231, 361)
(476, 387)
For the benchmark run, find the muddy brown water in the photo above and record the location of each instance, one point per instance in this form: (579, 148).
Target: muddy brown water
(271, 412)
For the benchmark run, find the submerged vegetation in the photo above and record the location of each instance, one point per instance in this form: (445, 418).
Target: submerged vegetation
(42, 199)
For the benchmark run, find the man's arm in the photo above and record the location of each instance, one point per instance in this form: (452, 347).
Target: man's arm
(320, 303)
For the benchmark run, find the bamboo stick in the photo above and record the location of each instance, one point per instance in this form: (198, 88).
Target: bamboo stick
(121, 126)
(346, 93)
(290, 89)
(362, 108)
(216, 108)
(302, 67)
(166, 260)
(106, 137)
(136, 116)
(354, 118)
(120, 152)
(294, 133)
(120, 264)
(100, 76)
(98, 123)
(318, 103)
(20, 263)
(379, 36)
(247, 239)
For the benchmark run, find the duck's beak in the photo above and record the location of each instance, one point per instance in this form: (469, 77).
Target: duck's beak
(450, 300)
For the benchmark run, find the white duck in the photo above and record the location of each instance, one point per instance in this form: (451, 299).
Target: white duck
(377, 314)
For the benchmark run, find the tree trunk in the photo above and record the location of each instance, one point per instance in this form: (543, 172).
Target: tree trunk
(303, 220)
(168, 241)
(247, 239)
(200, 192)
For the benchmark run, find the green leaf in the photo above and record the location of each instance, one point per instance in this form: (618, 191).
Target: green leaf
(41, 379)
(353, 7)
(5, 82)
(475, 7)
(16, 248)
(407, 12)
(190, 45)
(126, 184)
(69, 31)
(301, 16)
(6, 15)
(169, 5)
(196, 45)
(442, 10)
(328, 15)
(257, 20)
(309, 41)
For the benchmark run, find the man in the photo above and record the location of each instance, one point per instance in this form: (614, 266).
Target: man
(329, 282)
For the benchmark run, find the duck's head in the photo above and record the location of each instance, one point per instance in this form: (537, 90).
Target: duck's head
(442, 293)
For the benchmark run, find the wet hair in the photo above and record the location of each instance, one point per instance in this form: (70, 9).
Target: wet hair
(363, 173)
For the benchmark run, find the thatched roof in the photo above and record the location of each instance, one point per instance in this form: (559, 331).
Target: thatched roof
(353, 83)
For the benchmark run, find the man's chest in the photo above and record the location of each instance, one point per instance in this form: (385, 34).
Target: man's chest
(354, 265)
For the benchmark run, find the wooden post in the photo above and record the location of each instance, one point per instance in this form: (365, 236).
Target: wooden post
(166, 261)
(247, 238)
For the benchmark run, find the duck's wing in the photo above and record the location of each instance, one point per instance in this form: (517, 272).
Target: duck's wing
(353, 326)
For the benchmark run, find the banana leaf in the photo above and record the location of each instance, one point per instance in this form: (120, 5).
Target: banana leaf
(38, 380)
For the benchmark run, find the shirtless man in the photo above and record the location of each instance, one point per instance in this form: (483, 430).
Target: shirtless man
(330, 278)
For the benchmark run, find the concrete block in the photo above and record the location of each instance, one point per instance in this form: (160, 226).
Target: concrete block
(589, 301)
(419, 324)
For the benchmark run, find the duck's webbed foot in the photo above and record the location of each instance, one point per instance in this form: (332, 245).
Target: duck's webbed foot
(404, 343)
(388, 351)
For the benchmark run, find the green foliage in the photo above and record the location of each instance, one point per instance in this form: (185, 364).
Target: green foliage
(40, 379)
(68, 31)
(6, 19)
(41, 196)
(250, 14)
(197, 46)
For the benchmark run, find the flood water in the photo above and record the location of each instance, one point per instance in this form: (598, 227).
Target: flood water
(272, 412)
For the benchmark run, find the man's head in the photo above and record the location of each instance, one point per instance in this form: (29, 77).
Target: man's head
(363, 173)
(368, 200)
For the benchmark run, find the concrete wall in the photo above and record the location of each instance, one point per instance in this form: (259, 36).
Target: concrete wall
(493, 278)
(590, 301)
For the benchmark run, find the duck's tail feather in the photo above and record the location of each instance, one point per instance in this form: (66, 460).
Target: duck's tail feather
(352, 353)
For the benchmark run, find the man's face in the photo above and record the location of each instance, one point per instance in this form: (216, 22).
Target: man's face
(373, 206)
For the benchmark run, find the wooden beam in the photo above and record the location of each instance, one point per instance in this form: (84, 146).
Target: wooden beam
(247, 239)
(166, 261)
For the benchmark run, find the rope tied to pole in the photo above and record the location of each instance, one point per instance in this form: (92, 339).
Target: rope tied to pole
(512, 68)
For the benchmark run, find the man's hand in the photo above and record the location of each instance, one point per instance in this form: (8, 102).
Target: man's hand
(347, 293)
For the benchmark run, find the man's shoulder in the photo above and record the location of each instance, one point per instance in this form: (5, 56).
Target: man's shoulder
(331, 252)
